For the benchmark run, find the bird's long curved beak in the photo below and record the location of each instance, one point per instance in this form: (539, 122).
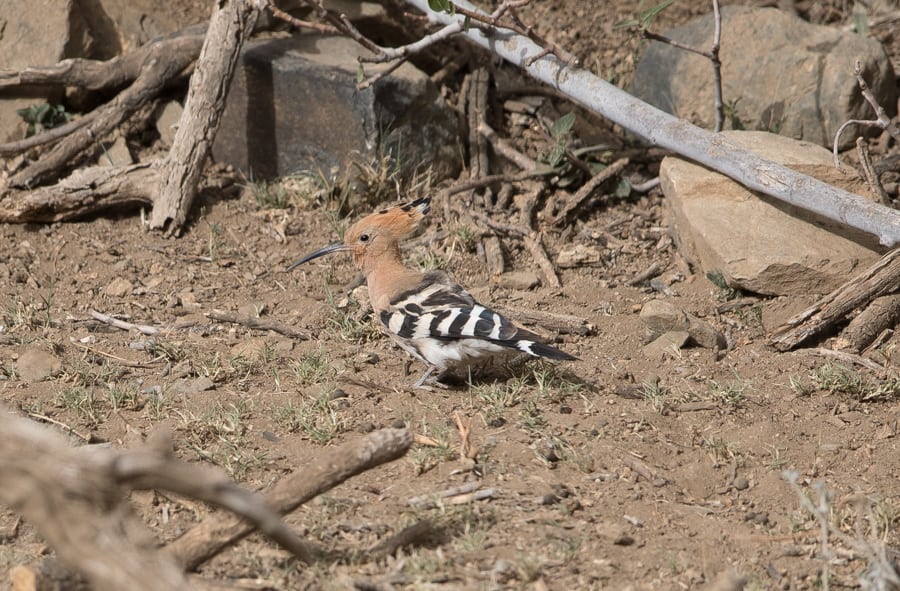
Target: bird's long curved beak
(336, 247)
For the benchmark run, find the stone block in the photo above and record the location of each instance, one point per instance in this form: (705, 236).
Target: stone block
(294, 106)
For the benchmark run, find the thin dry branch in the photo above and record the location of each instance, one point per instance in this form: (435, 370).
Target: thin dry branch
(331, 468)
(709, 149)
(157, 70)
(75, 500)
(881, 121)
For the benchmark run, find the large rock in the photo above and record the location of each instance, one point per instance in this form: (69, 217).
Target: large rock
(760, 244)
(782, 74)
(35, 33)
(294, 106)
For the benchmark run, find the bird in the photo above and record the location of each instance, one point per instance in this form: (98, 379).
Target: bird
(426, 313)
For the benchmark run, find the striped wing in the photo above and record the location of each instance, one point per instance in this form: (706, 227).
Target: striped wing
(440, 309)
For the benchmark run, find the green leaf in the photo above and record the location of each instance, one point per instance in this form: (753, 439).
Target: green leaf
(627, 24)
(467, 24)
(563, 125)
(442, 6)
(648, 16)
(556, 155)
(360, 73)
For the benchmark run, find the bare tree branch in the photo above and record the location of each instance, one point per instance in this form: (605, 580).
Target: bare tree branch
(709, 149)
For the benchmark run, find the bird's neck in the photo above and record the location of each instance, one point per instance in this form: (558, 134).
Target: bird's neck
(385, 277)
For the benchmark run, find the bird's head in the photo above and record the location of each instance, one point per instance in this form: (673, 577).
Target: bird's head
(376, 235)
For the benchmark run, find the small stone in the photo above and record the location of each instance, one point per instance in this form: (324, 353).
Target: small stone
(119, 288)
(660, 316)
(741, 483)
(520, 280)
(35, 365)
(624, 540)
(365, 427)
(338, 393)
(497, 422)
(398, 424)
(578, 256)
(167, 122)
(269, 436)
(565, 409)
(666, 345)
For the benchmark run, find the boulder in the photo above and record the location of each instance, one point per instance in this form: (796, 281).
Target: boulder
(760, 244)
(293, 106)
(779, 73)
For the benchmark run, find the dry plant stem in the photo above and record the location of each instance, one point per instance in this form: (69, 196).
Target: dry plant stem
(503, 148)
(232, 22)
(84, 192)
(155, 469)
(865, 163)
(48, 136)
(534, 246)
(586, 190)
(709, 149)
(257, 323)
(332, 467)
(78, 505)
(116, 323)
(880, 279)
(881, 121)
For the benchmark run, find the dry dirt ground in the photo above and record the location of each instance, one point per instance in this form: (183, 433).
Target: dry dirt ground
(612, 472)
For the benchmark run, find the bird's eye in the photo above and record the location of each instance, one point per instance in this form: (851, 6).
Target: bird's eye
(364, 238)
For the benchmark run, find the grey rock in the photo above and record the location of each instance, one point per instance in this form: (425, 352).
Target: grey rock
(115, 154)
(167, 118)
(293, 106)
(781, 72)
(662, 317)
(757, 244)
(35, 365)
(666, 345)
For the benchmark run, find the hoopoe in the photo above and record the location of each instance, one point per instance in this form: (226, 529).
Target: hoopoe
(427, 314)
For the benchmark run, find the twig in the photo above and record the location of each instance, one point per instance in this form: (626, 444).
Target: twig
(667, 131)
(881, 120)
(865, 163)
(116, 323)
(300, 24)
(587, 189)
(844, 356)
(652, 271)
(121, 360)
(534, 246)
(256, 323)
(506, 150)
(53, 421)
(408, 536)
(326, 471)
(466, 450)
(423, 500)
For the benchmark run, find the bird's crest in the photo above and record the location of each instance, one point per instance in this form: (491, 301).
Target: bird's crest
(398, 220)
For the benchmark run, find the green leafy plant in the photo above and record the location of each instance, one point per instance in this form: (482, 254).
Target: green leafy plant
(43, 116)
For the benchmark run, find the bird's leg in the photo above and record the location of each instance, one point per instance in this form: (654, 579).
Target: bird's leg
(425, 376)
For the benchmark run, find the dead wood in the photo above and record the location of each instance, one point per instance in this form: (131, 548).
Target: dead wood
(257, 323)
(880, 279)
(232, 23)
(84, 192)
(553, 321)
(585, 192)
(325, 472)
(157, 69)
(883, 313)
(78, 504)
(76, 497)
(109, 74)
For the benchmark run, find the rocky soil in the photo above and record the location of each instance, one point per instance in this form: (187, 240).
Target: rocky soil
(631, 468)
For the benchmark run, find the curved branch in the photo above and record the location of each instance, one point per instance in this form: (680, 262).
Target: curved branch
(657, 127)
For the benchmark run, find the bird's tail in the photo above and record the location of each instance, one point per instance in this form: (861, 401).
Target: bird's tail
(543, 350)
